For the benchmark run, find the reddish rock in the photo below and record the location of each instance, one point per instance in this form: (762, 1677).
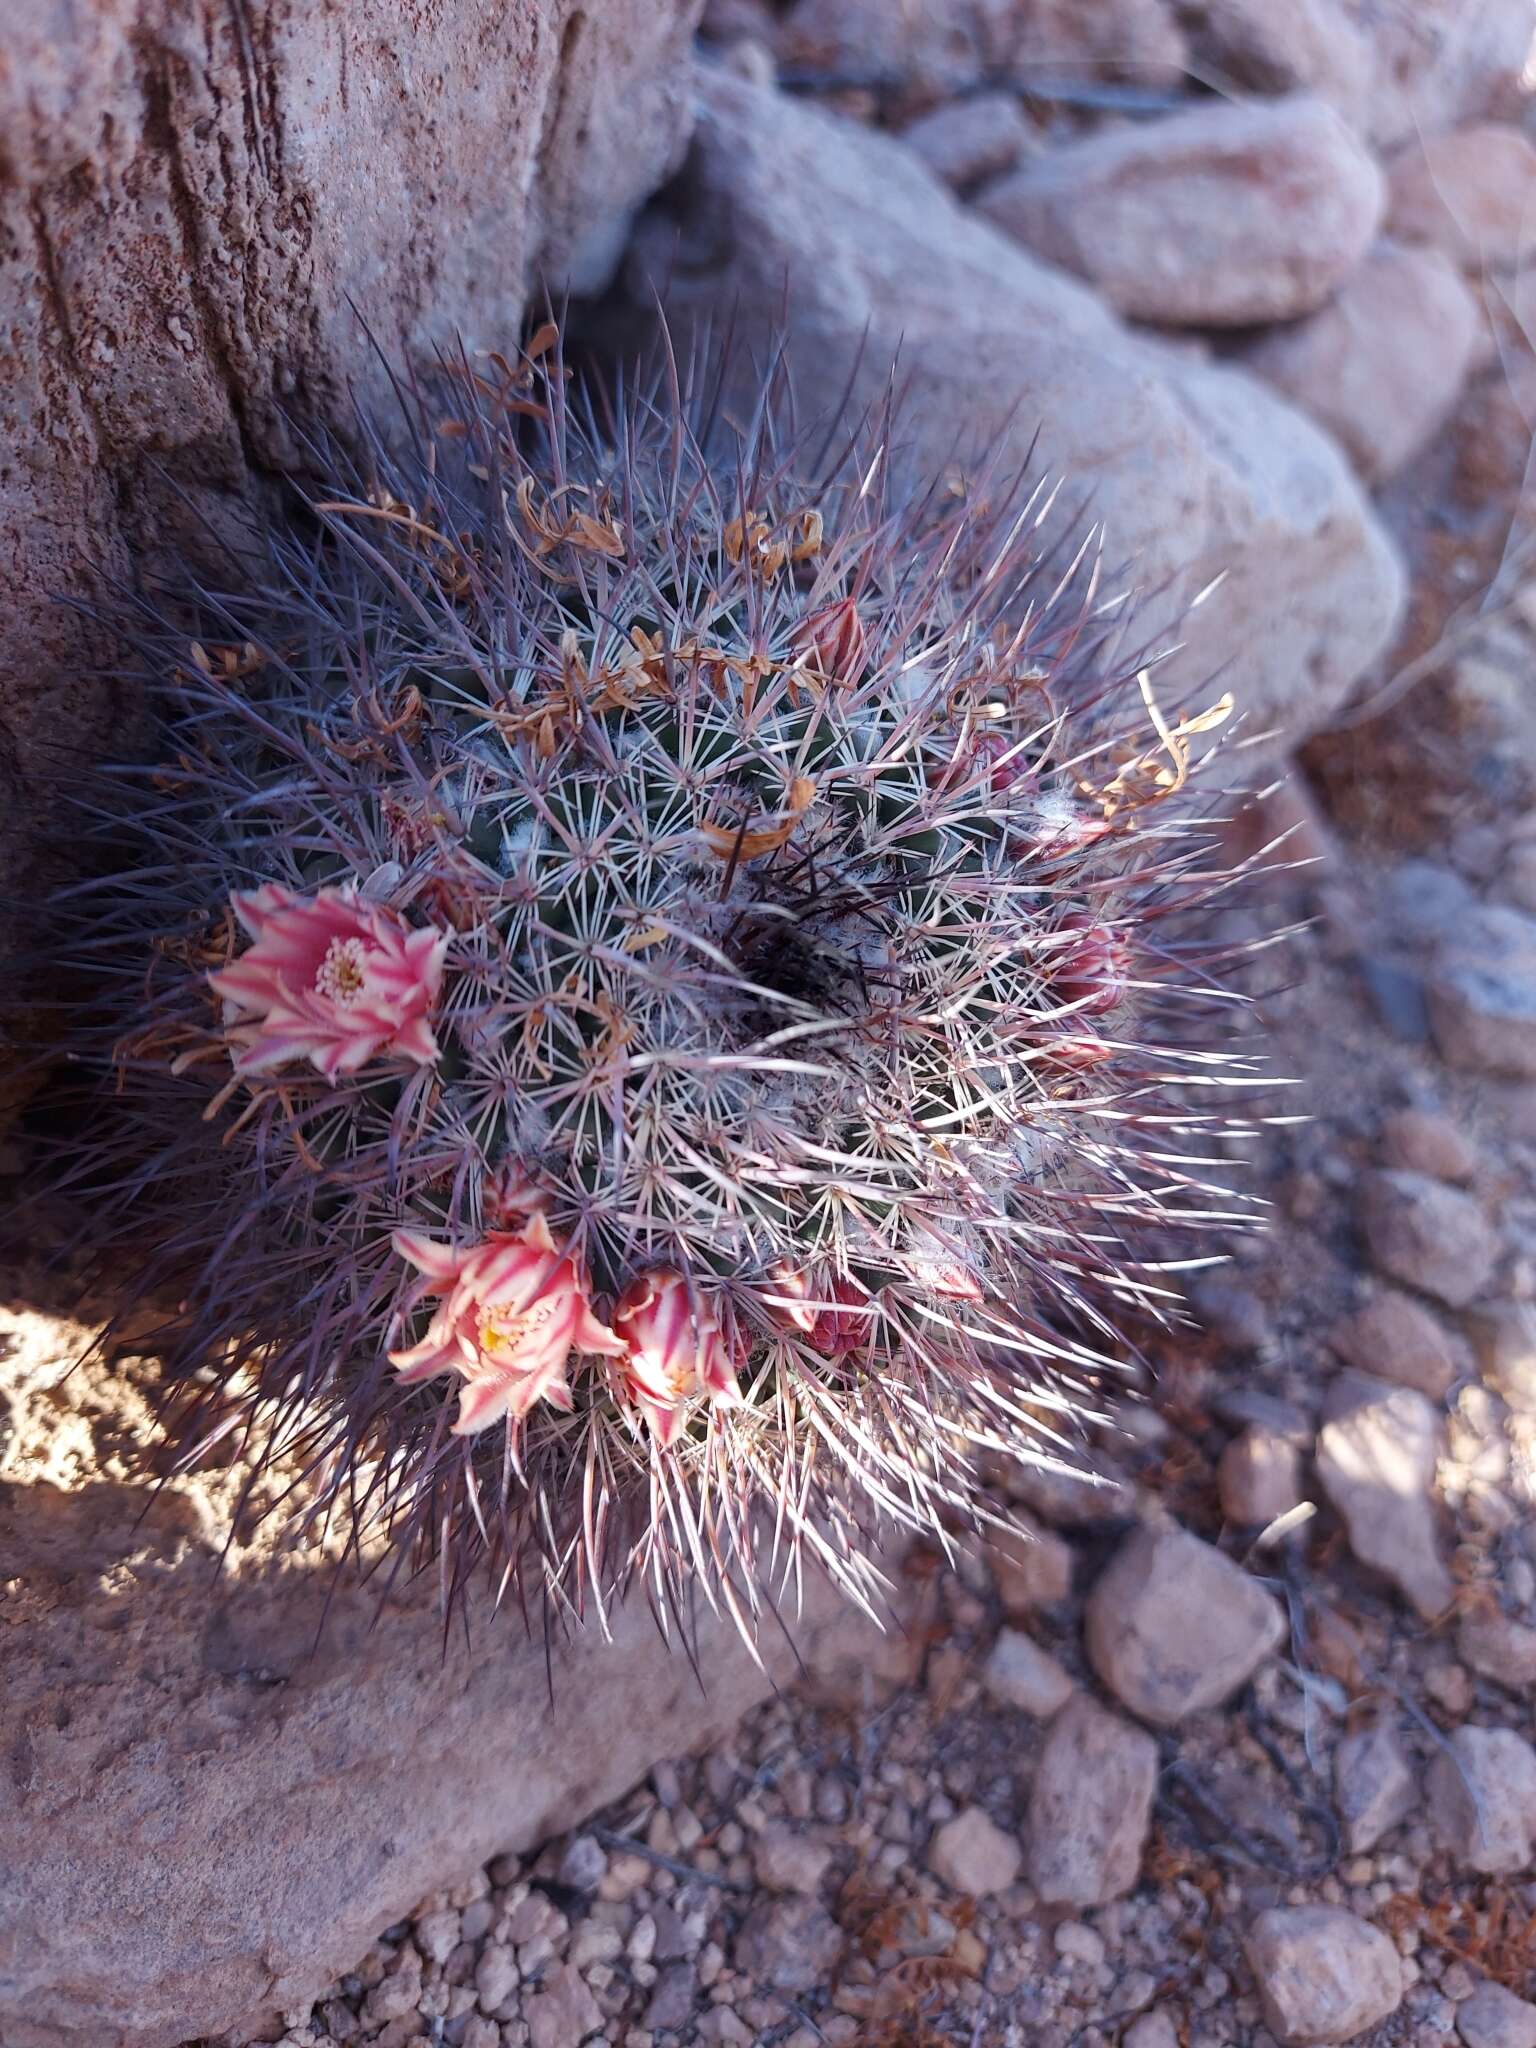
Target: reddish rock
(1397, 1338)
(1382, 365)
(1470, 194)
(1223, 216)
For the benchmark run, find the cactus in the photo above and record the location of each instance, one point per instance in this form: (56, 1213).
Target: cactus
(635, 1003)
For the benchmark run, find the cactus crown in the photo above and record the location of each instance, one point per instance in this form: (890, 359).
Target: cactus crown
(632, 1002)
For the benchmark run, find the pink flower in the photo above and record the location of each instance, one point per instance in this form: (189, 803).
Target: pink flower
(513, 1310)
(330, 979)
(677, 1349)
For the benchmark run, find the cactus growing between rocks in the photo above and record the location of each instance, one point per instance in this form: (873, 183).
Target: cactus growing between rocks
(631, 1001)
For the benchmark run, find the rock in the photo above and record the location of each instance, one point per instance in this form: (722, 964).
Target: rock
(1229, 1307)
(1500, 1648)
(1494, 2018)
(1306, 45)
(1194, 470)
(967, 140)
(562, 2011)
(1259, 1478)
(1376, 1454)
(1018, 1673)
(1482, 993)
(1440, 63)
(787, 1860)
(1031, 1565)
(1224, 216)
(1470, 194)
(1375, 1784)
(170, 305)
(1427, 1141)
(1173, 1627)
(671, 2003)
(1090, 1806)
(1155, 2029)
(1393, 1337)
(789, 1945)
(1322, 1974)
(1482, 1799)
(940, 48)
(1071, 1499)
(1428, 1235)
(971, 1854)
(297, 1787)
(1503, 1336)
(1382, 364)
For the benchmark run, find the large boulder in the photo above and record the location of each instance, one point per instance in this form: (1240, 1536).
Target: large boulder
(1195, 471)
(221, 1779)
(207, 211)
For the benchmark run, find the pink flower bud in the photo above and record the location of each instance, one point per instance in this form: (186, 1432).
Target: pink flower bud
(1092, 969)
(678, 1349)
(833, 637)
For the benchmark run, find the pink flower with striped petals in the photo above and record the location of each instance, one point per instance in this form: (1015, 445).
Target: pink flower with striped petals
(513, 1309)
(329, 979)
(677, 1351)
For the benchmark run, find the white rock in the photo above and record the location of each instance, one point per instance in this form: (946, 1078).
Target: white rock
(1439, 63)
(1482, 993)
(1375, 1784)
(785, 1859)
(972, 1854)
(1494, 2018)
(967, 140)
(1018, 1673)
(1500, 1648)
(562, 2011)
(1173, 1626)
(1155, 2029)
(1428, 1235)
(1482, 1799)
(1090, 1805)
(1471, 193)
(1195, 470)
(1223, 216)
(1503, 1335)
(1323, 1975)
(1376, 1456)
(1393, 1337)
(1305, 45)
(1382, 364)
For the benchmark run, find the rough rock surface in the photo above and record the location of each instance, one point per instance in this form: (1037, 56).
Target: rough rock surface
(1020, 1674)
(1494, 2018)
(1194, 470)
(201, 206)
(157, 1710)
(1482, 1799)
(1382, 364)
(1393, 1337)
(936, 45)
(1307, 45)
(1428, 1235)
(1323, 1974)
(1440, 63)
(1471, 193)
(1090, 1806)
(1375, 1784)
(1482, 993)
(1376, 1462)
(1219, 217)
(1503, 1335)
(1173, 1626)
(973, 1855)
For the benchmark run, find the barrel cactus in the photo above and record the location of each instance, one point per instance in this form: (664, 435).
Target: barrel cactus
(631, 1013)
